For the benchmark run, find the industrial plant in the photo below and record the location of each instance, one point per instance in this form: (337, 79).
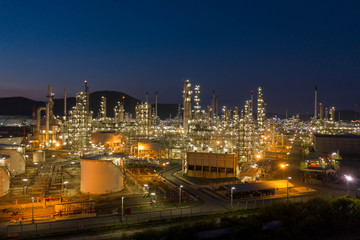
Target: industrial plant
(79, 165)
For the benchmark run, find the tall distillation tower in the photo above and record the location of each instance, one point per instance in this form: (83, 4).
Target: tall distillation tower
(261, 116)
(187, 105)
(102, 113)
(119, 113)
(143, 118)
(197, 107)
(79, 121)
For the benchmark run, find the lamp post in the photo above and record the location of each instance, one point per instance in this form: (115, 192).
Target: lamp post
(181, 186)
(146, 189)
(232, 196)
(25, 180)
(154, 200)
(348, 180)
(122, 209)
(283, 166)
(32, 212)
(63, 186)
(287, 189)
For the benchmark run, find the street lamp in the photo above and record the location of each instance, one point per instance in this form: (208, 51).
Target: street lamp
(283, 166)
(146, 189)
(154, 200)
(181, 186)
(32, 212)
(122, 209)
(232, 195)
(287, 189)
(25, 180)
(348, 180)
(63, 186)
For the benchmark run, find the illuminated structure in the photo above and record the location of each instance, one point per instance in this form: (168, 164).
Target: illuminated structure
(119, 113)
(187, 105)
(261, 115)
(102, 112)
(79, 122)
(250, 136)
(143, 118)
(197, 107)
(48, 129)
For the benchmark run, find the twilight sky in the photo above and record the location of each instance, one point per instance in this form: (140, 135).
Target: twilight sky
(287, 47)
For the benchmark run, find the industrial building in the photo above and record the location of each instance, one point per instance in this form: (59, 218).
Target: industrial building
(211, 165)
(348, 145)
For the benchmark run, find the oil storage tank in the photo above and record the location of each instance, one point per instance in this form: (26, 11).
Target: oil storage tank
(4, 181)
(100, 175)
(38, 156)
(16, 161)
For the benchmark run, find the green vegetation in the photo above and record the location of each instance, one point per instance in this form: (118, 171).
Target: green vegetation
(315, 219)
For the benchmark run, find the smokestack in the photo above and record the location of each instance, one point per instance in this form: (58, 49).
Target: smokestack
(217, 105)
(47, 123)
(86, 86)
(49, 91)
(64, 103)
(321, 109)
(156, 104)
(252, 102)
(213, 103)
(315, 105)
(332, 114)
(147, 97)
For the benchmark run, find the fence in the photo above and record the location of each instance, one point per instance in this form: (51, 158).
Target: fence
(21, 230)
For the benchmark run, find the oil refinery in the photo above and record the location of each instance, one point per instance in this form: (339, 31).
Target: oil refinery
(80, 165)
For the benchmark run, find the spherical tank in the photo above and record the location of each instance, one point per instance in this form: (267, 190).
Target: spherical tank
(100, 176)
(38, 156)
(16, 162)
(4, 181)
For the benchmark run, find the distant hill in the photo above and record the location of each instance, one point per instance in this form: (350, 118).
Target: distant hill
(344, 115)
(24, 106)
(18, 106)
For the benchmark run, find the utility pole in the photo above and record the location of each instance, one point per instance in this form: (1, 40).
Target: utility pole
(181, 186)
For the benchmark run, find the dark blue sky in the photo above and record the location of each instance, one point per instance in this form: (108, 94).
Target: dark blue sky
(287, 47)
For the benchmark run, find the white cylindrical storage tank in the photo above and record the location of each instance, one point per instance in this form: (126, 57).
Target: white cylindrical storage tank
(100, 176)
(15, 163)
(4, 181)
(38, 156)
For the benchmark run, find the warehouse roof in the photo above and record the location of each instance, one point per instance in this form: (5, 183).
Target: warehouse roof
(258, 186)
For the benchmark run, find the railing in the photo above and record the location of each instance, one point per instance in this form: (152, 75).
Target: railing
(79, 224)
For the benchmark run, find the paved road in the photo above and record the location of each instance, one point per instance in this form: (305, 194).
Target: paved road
(207, 200)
